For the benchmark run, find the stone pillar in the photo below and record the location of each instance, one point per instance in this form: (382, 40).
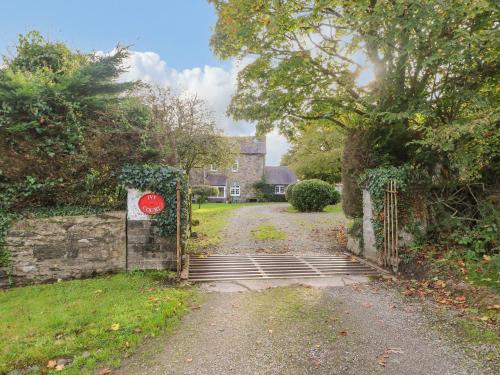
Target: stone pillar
(146, 249)
(369, 242)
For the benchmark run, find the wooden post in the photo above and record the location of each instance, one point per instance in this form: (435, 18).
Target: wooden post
(396, 209)
(385, 227)
(178, 234)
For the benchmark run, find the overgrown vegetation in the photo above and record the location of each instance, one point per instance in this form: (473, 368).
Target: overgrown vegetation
(90, 323)
(68, 126)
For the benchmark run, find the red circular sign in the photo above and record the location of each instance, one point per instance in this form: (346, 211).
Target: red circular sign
(151, 203)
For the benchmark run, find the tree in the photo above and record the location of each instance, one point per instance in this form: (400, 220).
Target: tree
(202, 192)
(66, 124)
(316, 153)
(433, 64)
(183, 132)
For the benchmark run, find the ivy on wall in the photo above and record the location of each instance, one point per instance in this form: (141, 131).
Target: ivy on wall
(376, 181)
(162, 180)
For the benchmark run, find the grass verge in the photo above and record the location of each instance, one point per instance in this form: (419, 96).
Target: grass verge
(211, 218)
(268, 232)
(92, 323)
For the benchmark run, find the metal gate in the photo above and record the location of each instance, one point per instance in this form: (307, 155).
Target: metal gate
(390, 256)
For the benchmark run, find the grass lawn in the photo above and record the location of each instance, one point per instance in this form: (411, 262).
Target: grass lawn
(267, 232)
(332, 208)
(91, 322)
(212, 217)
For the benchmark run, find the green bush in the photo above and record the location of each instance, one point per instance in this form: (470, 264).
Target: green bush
(289, 192)
(313, 195)
(335, 196)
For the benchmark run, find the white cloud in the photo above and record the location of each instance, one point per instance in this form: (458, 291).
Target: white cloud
(214, 85)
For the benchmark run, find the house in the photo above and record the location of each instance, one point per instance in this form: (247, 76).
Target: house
(237, 182)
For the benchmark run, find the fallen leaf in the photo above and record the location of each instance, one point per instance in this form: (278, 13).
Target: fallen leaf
(115, 326)
(189, 360)
(343, 333)
(486, 258)
(439, 284)
(104, 371)
(59, 367)
(485, 318)
(270, 331)
(153, 299)
(51, 364)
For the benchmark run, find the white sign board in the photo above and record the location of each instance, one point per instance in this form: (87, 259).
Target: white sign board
(133, 210)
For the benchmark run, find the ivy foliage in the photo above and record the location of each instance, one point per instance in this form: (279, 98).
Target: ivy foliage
(162, 180)
(376, 181)
(265, 192)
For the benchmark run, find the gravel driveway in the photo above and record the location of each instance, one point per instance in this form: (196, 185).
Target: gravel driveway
(305, 233)
(355, 329)
(335, 326)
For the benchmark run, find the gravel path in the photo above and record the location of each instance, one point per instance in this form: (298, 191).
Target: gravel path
(335, 326)
(305, 233)
(356, 329)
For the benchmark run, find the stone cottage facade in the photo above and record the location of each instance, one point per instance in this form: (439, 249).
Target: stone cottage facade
(236, 183)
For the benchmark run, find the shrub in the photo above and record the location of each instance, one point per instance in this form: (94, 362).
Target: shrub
(335, 196)
(289, 192)
(313, 195)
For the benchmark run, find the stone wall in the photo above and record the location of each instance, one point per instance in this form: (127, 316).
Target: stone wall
(146, 249)
(250, 171)
(48, 249)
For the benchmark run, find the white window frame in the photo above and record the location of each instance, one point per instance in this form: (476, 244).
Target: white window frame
(217, 196)
(279, 189)
(236, 166)
(213, 168)
(235, 190)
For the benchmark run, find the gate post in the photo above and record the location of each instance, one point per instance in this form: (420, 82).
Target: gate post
(146, 249)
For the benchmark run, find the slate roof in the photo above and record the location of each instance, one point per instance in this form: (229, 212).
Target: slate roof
(251, 145)
(279, 176)
(216, 180)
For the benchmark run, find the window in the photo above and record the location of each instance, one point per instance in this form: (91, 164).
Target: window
(221, 192)
(235, 166)
(235, 190)
(279, 189)
(213, 168)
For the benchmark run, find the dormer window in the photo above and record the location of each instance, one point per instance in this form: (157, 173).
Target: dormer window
(213, 168)
(236, 166)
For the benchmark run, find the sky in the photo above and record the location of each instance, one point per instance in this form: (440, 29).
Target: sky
(169, 40)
